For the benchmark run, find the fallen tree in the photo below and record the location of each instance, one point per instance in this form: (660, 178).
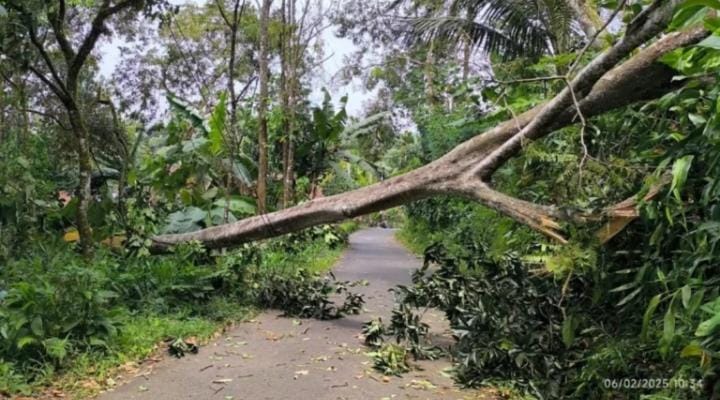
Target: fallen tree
(606, 83)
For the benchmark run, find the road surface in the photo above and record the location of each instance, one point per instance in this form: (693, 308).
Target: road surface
(273, 357)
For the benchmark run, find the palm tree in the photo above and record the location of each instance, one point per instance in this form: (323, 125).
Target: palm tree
(510, 28)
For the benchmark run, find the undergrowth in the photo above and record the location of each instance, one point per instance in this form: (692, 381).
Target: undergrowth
(70, 326)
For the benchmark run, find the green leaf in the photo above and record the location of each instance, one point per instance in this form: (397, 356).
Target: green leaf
(36, 326)
(695, 301)
(668, 327)
(25, 341)
(217, 216)
(189, 146)
(691, 350)
(697, 120)
(680, 170)
(624, 287)
(210, 194)
(649, 311)
(185, 220)
(217, 127)
(694, 3)
(241, 170)
(187, 111)
(686, 293)
(707, 327)
(358, 128)
(629, 297)
(56, 348)
(97, 342)
(23, 162)
(711, 42)
(690, 12)
(237, 205)
(166, 151)
(70, 325)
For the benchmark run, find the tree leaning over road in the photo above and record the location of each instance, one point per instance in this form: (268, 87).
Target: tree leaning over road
(604, 84)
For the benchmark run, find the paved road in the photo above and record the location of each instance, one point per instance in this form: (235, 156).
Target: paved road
(282, 358)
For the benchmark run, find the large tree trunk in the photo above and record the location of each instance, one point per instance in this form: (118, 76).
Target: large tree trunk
(292, 54)
(234, 25)
(262, 110)
(84, 194)
(467, 169)
(429, 74)
(284, 96)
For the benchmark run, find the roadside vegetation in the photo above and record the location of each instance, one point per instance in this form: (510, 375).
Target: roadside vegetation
(582, 319)
(556, 162)
(71, 325)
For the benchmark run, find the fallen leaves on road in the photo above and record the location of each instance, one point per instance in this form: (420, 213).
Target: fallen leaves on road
(301, 372)
(421, 384)
(273, 336)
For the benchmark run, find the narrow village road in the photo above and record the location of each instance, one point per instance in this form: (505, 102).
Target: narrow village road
(273, 357)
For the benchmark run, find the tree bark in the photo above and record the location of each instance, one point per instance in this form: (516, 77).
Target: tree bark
(429, 74)
(467, 169)
(284, 96)
(292, 58)
(84, 194)
(262, 110)
(467, 53)
(231, 67)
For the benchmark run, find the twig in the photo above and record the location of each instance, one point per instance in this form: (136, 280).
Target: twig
(563, 291)
(583, 126)
(536, 79)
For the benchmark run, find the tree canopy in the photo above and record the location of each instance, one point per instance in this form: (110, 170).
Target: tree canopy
(556, 162)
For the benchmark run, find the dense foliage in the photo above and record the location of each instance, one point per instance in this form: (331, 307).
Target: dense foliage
(55, 309)
(575, 320)
(91, 170)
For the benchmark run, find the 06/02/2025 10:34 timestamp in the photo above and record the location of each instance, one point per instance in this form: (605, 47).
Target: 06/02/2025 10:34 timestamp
(653, 383)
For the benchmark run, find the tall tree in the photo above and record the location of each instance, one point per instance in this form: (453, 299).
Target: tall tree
(298, 33)
(286, 97)
(233, 24)
(262, 109)
(34, 22)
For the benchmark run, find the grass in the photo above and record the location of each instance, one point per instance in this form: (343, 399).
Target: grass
(415, 237)
(315, 257)
(140, 338)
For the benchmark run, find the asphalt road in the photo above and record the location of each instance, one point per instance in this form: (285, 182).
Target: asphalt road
(272, 357)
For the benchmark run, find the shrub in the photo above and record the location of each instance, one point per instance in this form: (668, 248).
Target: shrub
(54, 312)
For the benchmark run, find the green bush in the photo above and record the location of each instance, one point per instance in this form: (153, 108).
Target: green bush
(56, 310)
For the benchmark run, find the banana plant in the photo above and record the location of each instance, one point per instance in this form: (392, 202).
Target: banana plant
(196, 165)
(328, 147)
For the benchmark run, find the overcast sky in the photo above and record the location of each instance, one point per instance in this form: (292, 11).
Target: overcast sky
(335, 49)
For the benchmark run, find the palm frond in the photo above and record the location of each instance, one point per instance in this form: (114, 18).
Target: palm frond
(519, 41)
(510, 28)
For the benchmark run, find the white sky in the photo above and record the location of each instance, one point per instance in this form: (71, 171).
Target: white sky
(335, 50)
